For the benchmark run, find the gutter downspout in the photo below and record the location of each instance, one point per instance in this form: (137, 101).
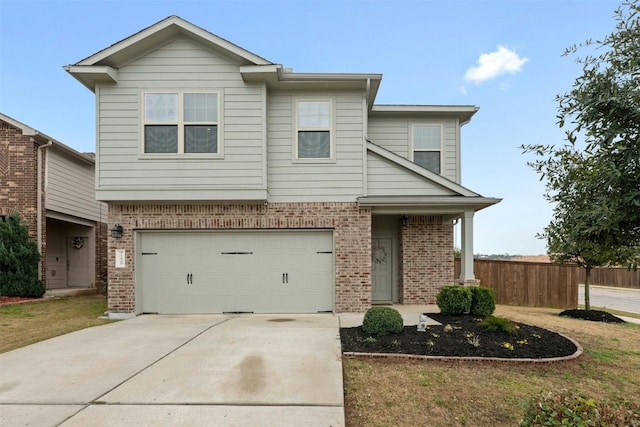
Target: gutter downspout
(39, 202)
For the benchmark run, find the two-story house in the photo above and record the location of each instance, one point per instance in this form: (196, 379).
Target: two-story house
(51, 186)
(242, 186)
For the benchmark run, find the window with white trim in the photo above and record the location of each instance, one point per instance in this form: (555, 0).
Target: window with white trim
(181, 123)
(427, 147)
(313, 134)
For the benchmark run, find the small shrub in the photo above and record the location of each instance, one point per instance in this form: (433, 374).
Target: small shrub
(454, 299)
(380, 321)
(19, 258)
(493, 323)
(571, 408)
(483, 301)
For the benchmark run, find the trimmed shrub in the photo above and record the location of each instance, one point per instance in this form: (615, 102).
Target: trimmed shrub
(380, 321)
(454, 299)
(19, 258)
(483, 301)
(572, 408)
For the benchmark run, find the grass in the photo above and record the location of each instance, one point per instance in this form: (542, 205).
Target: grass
(24, 324)
(398, 393)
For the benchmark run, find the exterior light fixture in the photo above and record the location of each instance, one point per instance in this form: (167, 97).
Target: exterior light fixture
(404, 220)
(116, 231)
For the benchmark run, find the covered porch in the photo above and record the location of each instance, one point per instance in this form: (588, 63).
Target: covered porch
(412, 245)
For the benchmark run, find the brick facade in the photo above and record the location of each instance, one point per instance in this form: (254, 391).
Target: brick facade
(19, 193)
(351, 225)
(426, 259)
(19, 183)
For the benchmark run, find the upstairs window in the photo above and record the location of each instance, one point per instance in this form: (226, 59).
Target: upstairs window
(181, 123)
(313, 136)
(427, 147)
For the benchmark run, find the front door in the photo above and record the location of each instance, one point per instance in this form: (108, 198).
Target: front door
(381, 270)
(78, 265)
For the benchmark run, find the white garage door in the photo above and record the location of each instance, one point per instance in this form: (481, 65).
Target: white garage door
(218, 272)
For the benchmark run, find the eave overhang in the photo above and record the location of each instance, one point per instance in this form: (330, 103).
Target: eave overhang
(449, 206)
(91, 75)
(462, 112)
(276, 77)
(40, 138)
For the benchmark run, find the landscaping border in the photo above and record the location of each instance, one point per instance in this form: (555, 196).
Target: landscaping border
(579, 351)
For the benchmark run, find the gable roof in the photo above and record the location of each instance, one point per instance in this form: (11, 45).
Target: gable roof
(462, 198)
(102, 67)
(161, 32)
(40, 138)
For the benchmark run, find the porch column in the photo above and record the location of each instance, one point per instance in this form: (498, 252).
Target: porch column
(466, 261)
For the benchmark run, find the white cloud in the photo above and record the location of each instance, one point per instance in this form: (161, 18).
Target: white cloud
(494, 64)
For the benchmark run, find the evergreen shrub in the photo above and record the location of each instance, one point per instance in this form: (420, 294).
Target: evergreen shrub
(19, 259)
(380, 321)
(454, 299)
(483, 301)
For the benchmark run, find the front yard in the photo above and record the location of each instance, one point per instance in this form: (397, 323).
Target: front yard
(24, 324)
(399, 393)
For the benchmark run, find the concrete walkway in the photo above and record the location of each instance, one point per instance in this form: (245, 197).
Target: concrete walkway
(180, 370)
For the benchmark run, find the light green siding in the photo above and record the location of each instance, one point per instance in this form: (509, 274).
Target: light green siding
(181, 65)
(339, 179)
(385, 178)
(70, 187)
(394, 134)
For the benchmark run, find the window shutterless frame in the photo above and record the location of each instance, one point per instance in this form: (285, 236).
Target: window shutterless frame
(426, 146)
(183, 123)
(313, 134)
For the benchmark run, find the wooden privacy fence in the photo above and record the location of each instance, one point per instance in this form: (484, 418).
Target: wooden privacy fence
(533, 284)
(617, 277)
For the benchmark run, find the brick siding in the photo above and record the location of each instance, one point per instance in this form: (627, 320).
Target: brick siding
(426, 259)
(351, 225)
(19, 184)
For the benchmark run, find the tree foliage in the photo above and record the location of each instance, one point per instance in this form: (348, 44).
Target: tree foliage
(19, 258)
(594, 178)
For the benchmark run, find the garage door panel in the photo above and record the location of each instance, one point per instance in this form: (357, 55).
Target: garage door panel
(214, 272)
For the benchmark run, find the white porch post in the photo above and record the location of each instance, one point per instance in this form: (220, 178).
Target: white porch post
(466, 261)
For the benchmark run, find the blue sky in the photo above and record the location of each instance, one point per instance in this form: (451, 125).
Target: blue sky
(501, 55)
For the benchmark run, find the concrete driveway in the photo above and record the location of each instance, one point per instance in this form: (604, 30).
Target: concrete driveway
(208, 370)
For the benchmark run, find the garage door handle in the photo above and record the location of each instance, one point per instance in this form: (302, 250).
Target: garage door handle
(189, 279)
(285, 277)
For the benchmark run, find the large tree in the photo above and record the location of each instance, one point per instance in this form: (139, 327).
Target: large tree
(594, 179)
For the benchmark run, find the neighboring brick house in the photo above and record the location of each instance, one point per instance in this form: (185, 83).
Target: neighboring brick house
(51, 186)
(241, 186)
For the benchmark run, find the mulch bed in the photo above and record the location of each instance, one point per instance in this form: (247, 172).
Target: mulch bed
(527, 341)
(592, 315)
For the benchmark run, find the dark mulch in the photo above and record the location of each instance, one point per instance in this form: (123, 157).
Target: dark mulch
(593, 315)
(527, 341)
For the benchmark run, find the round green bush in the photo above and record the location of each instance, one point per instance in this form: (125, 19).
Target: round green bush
(380, 321)
(483, 301)
(454, 299)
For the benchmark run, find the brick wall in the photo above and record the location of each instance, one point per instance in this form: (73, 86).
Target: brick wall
(19, 184)
(351, 225)
(426, 259)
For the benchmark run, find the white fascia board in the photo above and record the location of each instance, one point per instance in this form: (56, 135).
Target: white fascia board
(172, 25)
(426, 204)
(90, 75)
(464, 112)
(406, 164)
